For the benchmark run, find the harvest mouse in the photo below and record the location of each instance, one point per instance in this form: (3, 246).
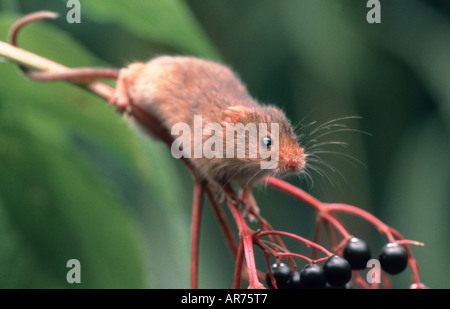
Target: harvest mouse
(176, 88)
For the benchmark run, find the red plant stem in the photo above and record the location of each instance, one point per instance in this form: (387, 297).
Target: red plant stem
(331, 234)
(238, 269)
(383, 228)
(195, 231)
(293, 191)
(272, 279)
(223, 222)
(317, 235)
(287, 254)
(411, 261)
(330, 218)
(324, 208)
(275, 238)
(300, 256)
(408, 242)
(359, 280)
(246, 235)
(385, 281)
(341, 245)
(266, 226)
(226, 229)
(299, 238)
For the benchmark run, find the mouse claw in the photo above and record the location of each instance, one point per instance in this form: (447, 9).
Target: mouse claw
(230, 198)
(251, 209)
(120, 102)
(227, 194)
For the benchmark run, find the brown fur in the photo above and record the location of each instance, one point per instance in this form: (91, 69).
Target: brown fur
(174, 89)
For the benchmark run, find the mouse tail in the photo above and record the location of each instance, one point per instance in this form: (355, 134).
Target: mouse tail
(80, 75)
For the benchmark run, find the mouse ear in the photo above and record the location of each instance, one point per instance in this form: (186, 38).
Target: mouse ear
(235, 114)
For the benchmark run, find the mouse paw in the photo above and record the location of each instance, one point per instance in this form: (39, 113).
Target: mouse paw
(248, 202)
(121, 103)
(227, 194)
(120, 98)
(230, 198)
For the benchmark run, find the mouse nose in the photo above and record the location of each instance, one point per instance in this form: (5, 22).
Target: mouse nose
(294, 164)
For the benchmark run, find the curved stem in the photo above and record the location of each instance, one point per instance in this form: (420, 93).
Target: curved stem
(272, 278)
(331, 234)
(195, 231)
(333, 220)
(382, 227)
(223, 222)
(317, 235)
(34, 61)
(299, 238)
(238, 269)
(294, 191)
(411, 261)
(246, 235)
(275, 238)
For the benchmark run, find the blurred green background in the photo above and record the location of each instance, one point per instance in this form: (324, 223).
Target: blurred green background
(76, 181)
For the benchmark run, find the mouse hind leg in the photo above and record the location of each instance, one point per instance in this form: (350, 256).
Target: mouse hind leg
(121, 98)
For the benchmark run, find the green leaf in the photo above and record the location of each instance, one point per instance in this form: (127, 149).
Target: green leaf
(167, 22)
(77, 182)
(57, 207)
(62, 211)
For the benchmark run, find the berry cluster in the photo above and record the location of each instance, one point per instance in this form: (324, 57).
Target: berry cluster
(338, 269)
(336, 272)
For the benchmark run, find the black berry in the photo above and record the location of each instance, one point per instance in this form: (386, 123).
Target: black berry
(393, 258)
(337, 271)
(282, 274)
(357, 253)
(312, 276)
(295, 281)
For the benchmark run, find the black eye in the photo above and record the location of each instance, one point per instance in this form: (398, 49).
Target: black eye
(266, 142)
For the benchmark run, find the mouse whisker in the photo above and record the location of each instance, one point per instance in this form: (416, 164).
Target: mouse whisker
(321, 161)
(222, 188)
(308, 177)
(330, 166)
(244, 166)
(332, 123)
(342, 130)
(351, 158)
(321, 172)
(328, 127)
(300, 126)
(253, 177)
(300, 123)
(338, 143)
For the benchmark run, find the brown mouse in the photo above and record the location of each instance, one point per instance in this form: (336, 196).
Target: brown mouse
(176, 88)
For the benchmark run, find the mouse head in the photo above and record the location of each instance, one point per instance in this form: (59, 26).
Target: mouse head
(276, 146)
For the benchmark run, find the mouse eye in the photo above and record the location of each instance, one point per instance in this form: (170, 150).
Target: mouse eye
(266, 142)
